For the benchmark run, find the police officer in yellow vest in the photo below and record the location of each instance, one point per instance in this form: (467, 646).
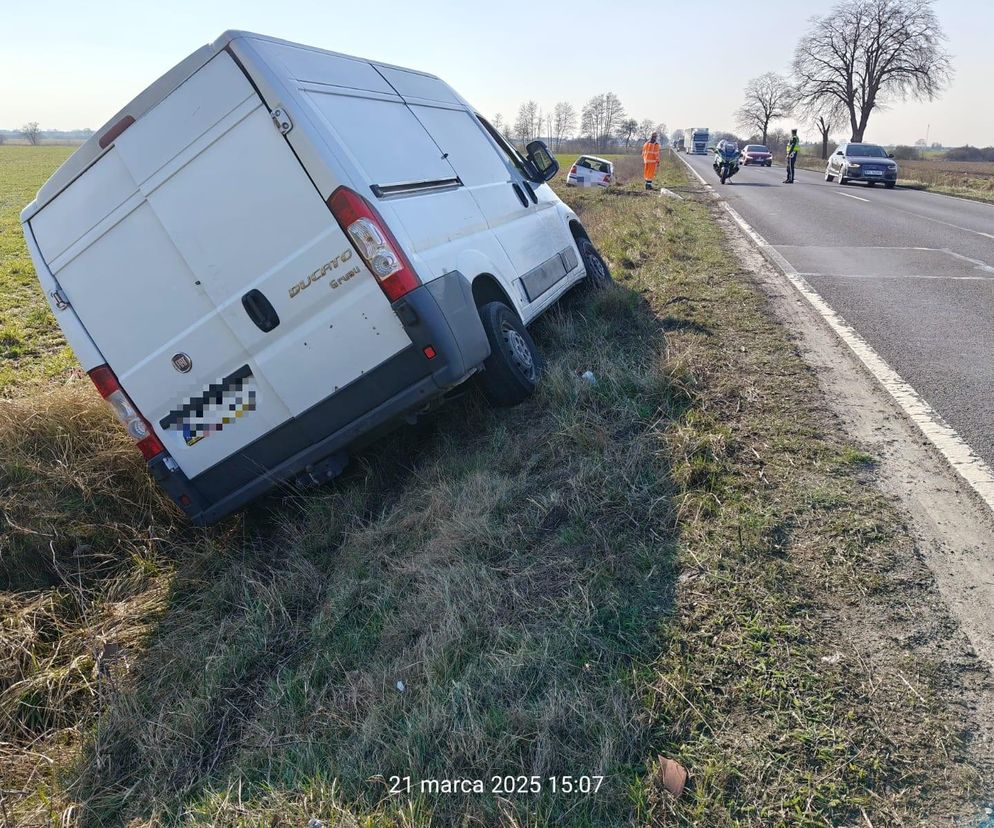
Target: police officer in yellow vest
(793, 145)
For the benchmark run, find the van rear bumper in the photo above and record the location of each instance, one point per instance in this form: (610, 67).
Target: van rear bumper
(440, 314)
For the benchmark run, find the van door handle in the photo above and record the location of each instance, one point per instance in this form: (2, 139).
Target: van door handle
(260, 310)
(520, 194)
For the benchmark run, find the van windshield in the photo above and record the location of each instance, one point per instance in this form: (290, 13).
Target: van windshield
(505, 145)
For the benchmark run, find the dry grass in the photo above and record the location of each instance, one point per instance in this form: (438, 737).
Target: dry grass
(655, 563)
(966, 179)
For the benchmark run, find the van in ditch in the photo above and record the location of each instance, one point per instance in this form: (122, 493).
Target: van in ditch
(276, 252)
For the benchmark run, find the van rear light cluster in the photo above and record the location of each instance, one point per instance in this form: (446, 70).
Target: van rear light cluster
(136, 425)
(374, 242)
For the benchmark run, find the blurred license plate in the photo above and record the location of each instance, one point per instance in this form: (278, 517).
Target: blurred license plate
(873, 172)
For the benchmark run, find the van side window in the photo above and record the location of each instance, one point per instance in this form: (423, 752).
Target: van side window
(505, 145)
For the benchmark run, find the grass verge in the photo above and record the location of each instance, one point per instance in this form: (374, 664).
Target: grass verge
(31, 345)
(667, 561)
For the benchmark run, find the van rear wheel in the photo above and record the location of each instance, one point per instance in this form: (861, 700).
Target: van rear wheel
(598, 275)
(512, 371)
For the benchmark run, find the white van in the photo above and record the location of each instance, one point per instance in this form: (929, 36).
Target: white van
(275, 252)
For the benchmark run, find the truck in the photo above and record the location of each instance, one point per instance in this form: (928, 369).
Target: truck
(276, 252)
(680, 144)
(697, 140)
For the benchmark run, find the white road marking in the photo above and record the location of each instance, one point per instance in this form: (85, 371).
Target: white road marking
(953, 448)
(945, 223)
(894, 276)
(850, 195)
(866, 247)
(981, 265)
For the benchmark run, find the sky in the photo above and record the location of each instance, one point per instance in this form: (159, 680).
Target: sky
(70, 65)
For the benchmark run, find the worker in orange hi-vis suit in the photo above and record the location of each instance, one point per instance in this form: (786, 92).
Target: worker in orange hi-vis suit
(650, 159)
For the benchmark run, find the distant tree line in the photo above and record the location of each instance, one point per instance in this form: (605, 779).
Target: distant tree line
(601, 125)
(33, 134)
(969, 153)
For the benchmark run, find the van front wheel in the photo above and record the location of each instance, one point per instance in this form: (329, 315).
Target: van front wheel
(598, 275)
(514, 366)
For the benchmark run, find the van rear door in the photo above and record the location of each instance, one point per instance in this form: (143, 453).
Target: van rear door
(199, 256)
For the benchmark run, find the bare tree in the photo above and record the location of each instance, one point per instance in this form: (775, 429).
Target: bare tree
(867, 52)
(32, 132)
(601, 116)
(563, 122)
(767, 98)
(3, 138)
(827, 117)
(592, 117)
(614, 113)
(627, 129)
(646, 128)
(776, 140)
(528, 122)
(824, 124)
(826, 114)
(498, 122)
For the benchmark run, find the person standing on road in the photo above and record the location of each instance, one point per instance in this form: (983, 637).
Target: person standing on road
(650, 159)
(793, 145)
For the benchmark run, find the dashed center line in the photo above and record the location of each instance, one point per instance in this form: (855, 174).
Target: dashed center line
(945, 223)
(850, 195)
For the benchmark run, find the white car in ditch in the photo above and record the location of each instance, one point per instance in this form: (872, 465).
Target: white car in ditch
(590, 171)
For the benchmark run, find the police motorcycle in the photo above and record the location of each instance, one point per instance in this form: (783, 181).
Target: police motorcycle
(726, 159)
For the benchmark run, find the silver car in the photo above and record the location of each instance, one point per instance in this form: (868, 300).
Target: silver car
(857, 161)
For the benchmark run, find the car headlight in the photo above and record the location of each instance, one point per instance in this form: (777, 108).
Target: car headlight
(853, 166)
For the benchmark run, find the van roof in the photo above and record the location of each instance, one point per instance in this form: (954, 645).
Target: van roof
(90, 151)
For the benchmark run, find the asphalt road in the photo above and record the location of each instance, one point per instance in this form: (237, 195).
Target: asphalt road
(911, 272)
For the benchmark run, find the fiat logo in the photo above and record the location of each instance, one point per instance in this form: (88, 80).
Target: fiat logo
(182, 362)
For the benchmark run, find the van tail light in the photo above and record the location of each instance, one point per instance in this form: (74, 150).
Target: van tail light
(374, 242)
(136, 425)
(572, 170)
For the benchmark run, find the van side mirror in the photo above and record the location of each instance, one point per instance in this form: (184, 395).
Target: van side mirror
(890, 155)
(542, 161)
